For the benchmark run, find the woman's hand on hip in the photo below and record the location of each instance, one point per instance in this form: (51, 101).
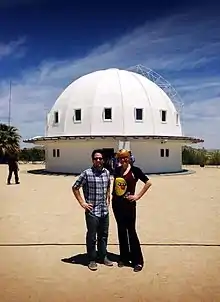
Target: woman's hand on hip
(132, 198)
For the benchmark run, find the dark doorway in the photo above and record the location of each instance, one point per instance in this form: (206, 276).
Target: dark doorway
(108, 155)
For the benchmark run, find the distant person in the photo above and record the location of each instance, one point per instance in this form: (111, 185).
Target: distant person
(95, 182)
(13, 168)
(124, 207)
(132, 158)
(108, 164)
(114, 161)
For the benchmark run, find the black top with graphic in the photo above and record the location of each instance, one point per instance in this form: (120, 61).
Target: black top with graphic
(125, 184)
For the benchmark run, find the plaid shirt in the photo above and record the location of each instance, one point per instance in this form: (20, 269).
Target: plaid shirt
(95, 186)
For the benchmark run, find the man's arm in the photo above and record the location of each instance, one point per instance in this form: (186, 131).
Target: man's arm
(76, 191)
(17, 166)
(108, 192)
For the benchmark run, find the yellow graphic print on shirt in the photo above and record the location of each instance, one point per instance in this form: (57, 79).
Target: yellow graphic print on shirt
(120, 186)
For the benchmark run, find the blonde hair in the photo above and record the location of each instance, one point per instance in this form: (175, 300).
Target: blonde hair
(123, 153)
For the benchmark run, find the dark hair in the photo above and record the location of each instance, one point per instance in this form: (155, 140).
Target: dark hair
(96, 151)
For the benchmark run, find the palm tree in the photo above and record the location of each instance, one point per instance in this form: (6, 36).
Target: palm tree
(9, 139)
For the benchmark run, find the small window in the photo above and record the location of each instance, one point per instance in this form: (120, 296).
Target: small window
(177, 118)
(139, 114)
(56, 117)
(167, 152)
(77, 115)
(161, 152)
(56, 152)
(163, 116)
(108, 114)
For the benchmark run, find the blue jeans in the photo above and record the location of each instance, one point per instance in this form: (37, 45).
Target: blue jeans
(97, 228)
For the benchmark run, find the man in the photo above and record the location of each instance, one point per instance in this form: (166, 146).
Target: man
(132, 159)
(13, 168)
(95, 182)
(115, 162)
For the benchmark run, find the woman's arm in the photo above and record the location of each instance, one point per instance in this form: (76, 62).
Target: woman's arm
(147, 184)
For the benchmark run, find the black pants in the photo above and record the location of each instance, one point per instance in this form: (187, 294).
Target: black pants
(97, 228)
(129, 245)
(11, 171)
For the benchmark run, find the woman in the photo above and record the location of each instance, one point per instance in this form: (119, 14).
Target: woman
(124, 208)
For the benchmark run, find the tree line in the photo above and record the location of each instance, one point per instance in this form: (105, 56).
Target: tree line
(10, 144)
(193, 156)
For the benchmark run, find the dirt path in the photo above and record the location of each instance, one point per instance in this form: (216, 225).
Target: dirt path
(178, 223)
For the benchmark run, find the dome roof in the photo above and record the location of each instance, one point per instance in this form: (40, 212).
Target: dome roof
(113, 102)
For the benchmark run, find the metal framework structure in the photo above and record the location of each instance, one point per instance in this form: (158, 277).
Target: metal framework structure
(162, 83)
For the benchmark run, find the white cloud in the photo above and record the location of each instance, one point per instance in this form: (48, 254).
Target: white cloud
(14, 48)
(183, 49)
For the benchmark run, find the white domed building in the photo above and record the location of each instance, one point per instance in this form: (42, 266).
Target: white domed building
(112, 109)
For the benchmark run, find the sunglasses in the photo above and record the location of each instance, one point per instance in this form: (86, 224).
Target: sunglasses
(97, 158)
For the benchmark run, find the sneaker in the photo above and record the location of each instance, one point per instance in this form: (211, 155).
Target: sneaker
(138, 268)
(107, 262)
(92, 266)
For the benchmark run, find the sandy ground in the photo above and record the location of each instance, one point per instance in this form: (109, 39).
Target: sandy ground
(178, 223)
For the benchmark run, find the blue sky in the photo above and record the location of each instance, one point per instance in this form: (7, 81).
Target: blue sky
(45, 46)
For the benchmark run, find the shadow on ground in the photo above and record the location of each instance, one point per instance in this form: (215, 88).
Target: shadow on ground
(45, 172)
(81, 259)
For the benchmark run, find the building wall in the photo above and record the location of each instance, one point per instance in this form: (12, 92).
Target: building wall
(148, 156)
(75, 156)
